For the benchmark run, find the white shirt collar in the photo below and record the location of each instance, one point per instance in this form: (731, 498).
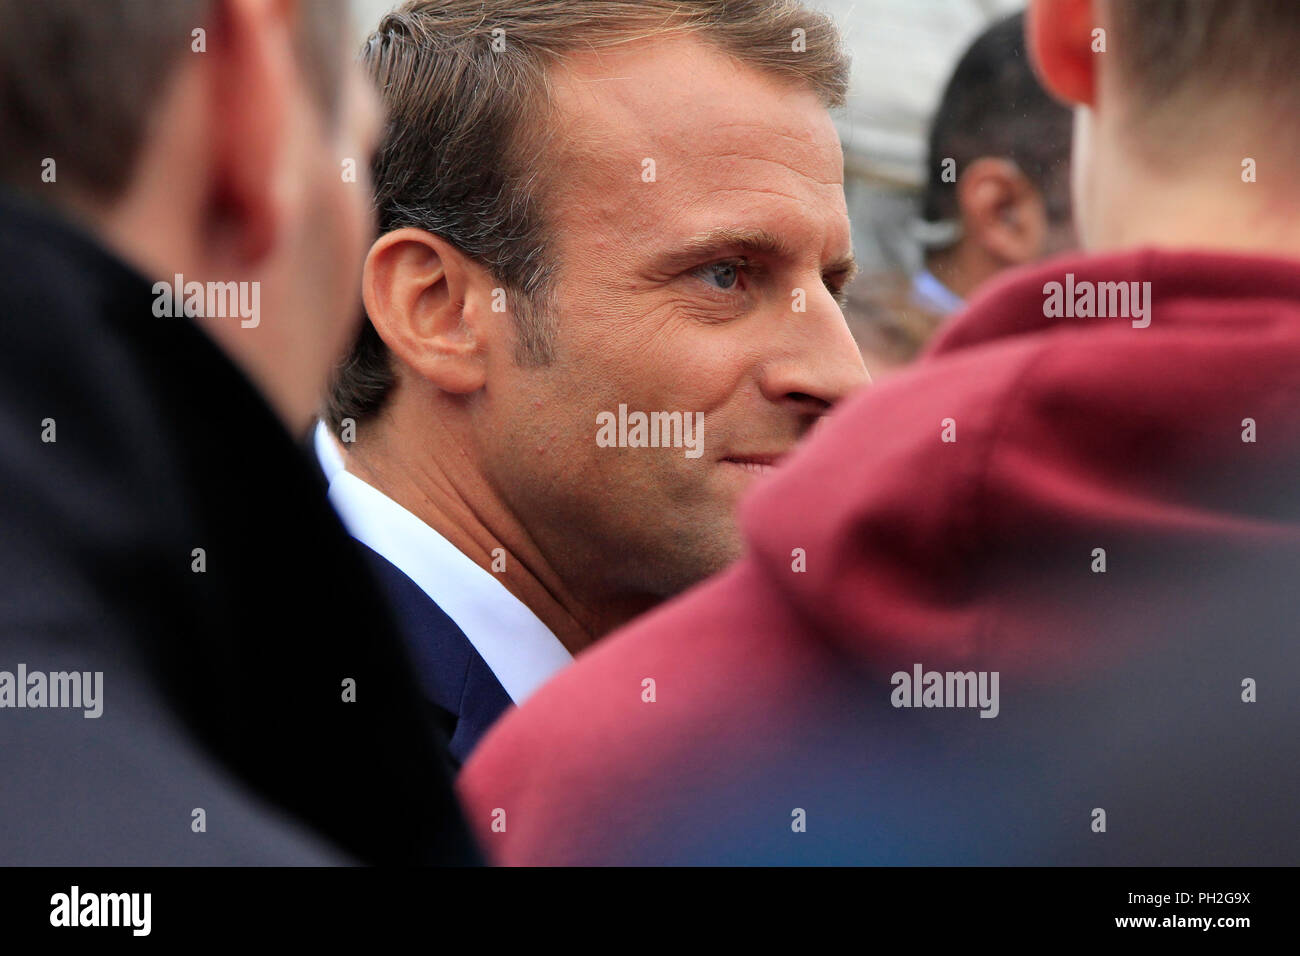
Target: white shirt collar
(520, 650)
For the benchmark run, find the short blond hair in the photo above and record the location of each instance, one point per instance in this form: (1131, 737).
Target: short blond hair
(1175, 53)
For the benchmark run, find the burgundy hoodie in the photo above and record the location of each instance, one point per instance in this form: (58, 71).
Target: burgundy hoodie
(1045, 495)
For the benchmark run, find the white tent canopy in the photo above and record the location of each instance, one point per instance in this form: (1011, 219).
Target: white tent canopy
(903, 52)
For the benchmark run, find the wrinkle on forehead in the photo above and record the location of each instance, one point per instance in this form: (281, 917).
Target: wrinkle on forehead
(665, 95)
(712, 126)
(750, 157)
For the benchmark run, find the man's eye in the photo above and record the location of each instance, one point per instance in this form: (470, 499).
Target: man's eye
(835, 285)
(722, 275)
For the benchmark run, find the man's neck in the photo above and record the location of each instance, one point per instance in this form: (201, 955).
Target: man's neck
(1191, 196)
(458, 503)
(1262, 222)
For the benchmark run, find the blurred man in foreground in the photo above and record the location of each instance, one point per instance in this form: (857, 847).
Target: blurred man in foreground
(194, 666)
(602, 303)
(1031, 601)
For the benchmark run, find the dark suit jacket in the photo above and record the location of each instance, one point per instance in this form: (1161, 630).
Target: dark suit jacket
(222, 689)
(452, 674)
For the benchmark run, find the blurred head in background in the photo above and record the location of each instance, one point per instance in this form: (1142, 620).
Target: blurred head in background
(997, 191)
(206, 138)
(997, 195)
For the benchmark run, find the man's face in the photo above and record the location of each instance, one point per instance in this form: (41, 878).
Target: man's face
(699, 284)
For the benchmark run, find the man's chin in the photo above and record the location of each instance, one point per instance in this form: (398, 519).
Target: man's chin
(721, 549)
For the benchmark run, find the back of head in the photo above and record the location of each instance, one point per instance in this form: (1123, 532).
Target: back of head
(80, 83)
(1182, 62)
(200, 138)
(1183, 132)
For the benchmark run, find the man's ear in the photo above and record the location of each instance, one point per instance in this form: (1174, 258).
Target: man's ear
(1001, 210)
(415, 287)
(249, 56)
(1059, 36)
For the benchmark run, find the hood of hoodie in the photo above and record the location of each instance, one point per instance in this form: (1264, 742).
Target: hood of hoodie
(1097, 452)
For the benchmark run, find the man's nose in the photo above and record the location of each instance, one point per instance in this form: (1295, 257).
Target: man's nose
(818, 363)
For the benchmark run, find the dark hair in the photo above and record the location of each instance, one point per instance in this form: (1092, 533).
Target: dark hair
(79, 80)
(463, 156)
(993, 105)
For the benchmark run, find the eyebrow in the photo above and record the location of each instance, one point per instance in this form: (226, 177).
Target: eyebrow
(717, 243)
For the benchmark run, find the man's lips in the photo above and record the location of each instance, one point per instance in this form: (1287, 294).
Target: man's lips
(758, 464)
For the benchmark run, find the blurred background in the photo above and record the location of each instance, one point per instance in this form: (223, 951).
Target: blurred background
(903, 52)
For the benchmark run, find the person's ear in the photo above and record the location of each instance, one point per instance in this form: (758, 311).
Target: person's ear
(250, 61)
(1001, 210)
(416, 286)
(1059, 36)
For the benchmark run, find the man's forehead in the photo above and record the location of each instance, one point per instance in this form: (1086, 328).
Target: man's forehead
(652, 126)
(681, 102)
